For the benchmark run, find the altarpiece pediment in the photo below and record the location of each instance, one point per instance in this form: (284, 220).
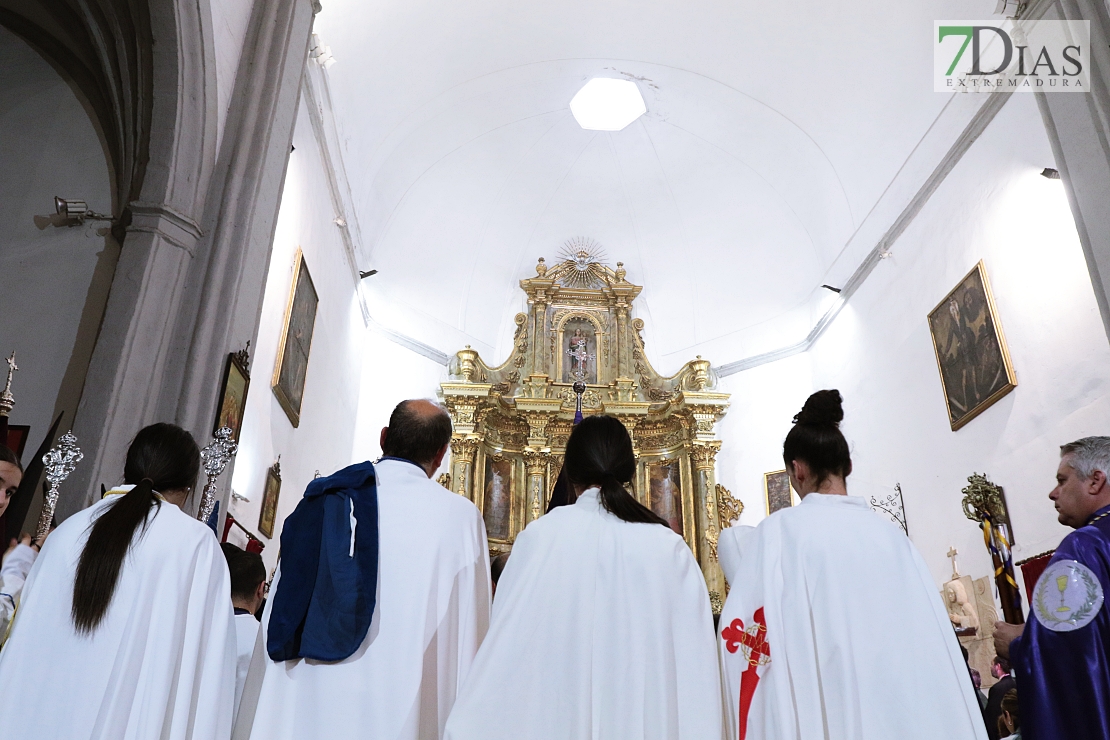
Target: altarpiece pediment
(512, 421)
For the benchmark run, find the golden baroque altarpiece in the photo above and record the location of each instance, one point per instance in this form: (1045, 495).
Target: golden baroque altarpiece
(511, 421)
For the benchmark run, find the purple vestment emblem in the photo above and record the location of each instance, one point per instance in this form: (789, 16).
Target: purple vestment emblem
(1062, 659)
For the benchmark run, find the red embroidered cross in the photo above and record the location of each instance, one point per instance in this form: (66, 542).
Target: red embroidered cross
(756, 650)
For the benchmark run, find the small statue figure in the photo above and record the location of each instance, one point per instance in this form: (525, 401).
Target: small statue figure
(960, 610)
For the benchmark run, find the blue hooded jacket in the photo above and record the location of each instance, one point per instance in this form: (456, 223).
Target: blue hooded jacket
(325, 599)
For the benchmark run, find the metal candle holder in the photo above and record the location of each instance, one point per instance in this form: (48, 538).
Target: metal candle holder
(215, 457)
(59, 463)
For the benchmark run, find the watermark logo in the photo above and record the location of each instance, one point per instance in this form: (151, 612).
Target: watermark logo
(1011, 56)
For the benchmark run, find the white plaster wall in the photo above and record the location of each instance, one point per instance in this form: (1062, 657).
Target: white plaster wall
(391, 374)
(763, 403)
(328, 411)
(230, 20)
(48, 147)
(993, 206)
(355, 376)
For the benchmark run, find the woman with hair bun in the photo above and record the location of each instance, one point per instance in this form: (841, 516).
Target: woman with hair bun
(602, 626)
(833, 628)
(125, 626)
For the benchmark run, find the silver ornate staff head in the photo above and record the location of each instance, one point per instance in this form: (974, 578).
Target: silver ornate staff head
(215, 457)
(7, 400)
(59, 463)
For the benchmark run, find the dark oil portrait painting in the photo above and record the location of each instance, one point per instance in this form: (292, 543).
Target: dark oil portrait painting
(579, 352)
(975, 369)
(296, 341)
(233, 398)
(267, 517)
(777, 488)
(497, 503)
(665, 492)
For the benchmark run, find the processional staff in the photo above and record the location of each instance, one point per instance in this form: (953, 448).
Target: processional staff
(216, 456)
(59, 463)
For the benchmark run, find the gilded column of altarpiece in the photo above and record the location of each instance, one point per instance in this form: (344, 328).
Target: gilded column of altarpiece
(511, 422)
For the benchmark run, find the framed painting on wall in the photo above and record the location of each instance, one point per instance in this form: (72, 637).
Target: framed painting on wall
(233, 394)
(665, 492)
(268, 516)
(291, 368)
(778, 491)
(974, 364)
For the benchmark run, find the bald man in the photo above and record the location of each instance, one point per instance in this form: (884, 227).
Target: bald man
(385, 599)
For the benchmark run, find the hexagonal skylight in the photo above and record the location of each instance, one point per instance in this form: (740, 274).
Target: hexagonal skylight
(605, 104)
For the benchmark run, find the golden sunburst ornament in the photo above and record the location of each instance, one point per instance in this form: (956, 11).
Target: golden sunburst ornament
(584, 257)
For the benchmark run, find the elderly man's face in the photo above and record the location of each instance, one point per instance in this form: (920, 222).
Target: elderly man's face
(1076, 499)
(10, 476)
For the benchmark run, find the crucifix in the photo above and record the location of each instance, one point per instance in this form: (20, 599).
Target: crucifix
(952, 553)
(579, 356)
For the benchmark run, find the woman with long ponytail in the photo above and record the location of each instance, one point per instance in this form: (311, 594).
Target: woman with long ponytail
(125, 628)
(602, 625)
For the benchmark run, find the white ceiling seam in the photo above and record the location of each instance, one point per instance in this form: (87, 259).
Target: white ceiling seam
(983, 116)
(322, 117)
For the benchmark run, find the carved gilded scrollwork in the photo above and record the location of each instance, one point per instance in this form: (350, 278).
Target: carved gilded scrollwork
(463, 449)
(729, 508)
(712, 534)
(704, 454)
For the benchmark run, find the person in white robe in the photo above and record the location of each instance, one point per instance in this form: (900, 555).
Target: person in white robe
(431, 612)
(829, 604)
(20, 556)
(124, 630)
(602, 626)
(248, 592)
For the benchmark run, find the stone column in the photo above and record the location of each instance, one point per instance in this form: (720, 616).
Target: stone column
(189, 283)
(463, 451)
(1078, 128)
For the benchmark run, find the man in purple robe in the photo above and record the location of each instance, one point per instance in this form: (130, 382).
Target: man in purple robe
(1062, 657)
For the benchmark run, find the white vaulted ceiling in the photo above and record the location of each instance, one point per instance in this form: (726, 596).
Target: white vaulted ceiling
(771, 130)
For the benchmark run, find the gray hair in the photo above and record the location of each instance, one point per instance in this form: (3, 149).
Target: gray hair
(1088, 455)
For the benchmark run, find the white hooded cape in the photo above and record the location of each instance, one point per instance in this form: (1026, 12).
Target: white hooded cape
(161, 664)
(431, 614)
(601, 629)
(857, 644)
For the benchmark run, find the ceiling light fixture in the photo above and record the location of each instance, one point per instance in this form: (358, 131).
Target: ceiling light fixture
(829, 287)
(605, 104)
(1050, 173)
(363, 275)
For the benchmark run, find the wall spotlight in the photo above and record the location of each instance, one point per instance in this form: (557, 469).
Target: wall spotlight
(1050, 173)
(363, 275)
(829, 287)
(77, 210)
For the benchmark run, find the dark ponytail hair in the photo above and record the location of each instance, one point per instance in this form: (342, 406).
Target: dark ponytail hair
(816, 438)
(599, 453)
(162, 457)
